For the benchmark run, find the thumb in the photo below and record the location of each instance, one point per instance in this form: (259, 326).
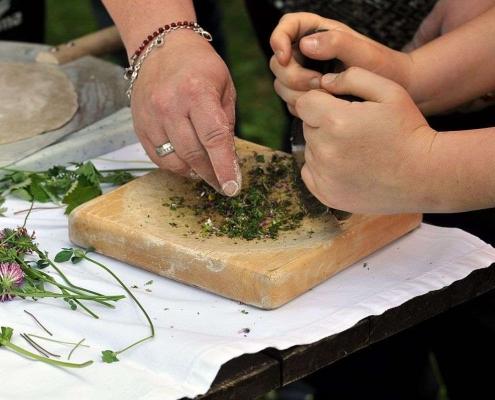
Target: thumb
(347, 46)
(364, 84)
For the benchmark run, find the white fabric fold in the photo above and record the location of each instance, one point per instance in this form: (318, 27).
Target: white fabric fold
(197, 331)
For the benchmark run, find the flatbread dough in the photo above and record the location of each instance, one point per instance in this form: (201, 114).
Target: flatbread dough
(34, 98)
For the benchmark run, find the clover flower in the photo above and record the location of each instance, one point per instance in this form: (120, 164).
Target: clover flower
(11, 277)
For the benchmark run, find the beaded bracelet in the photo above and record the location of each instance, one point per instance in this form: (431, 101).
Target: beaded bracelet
(156, 39)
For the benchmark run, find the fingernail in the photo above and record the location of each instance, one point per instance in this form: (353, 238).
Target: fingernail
(311, 43)
(328, 78)
(231, 188)
(279, 54)
(314, 83)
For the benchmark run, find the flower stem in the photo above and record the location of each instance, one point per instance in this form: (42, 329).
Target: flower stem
(26, 353)
(55, 341)
(62, 295)
(75, 347)
(152, 328)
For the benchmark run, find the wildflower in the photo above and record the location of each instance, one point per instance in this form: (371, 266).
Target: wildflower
(11, 277)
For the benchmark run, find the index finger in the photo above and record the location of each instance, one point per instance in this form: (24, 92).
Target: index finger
(215, 132)
(291, 28)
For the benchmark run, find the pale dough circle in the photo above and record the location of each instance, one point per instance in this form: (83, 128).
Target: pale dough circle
(34, 98)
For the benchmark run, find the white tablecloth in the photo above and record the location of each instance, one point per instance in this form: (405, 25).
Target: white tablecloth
(197, 331)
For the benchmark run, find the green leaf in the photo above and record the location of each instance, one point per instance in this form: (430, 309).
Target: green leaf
(79, 255)
(41, 264)
(64, 255)
(89, 171)
(19, 176)
(6, 334)
(80, 194)
(109, 356)
(117, 178)
(36, 189)
(22, 194)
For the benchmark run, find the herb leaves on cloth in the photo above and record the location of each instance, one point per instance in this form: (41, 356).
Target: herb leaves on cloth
(72, 185)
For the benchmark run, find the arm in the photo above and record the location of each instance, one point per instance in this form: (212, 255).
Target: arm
(380, 155)
(446, 16)
(136, 19)
(183, 95)
(456, 67)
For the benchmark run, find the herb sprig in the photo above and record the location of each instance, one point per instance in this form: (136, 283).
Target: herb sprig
(6, 334)
(72, 186)
(20, 252)
(77, 255)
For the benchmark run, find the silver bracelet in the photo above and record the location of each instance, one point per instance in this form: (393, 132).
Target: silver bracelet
(157, 39)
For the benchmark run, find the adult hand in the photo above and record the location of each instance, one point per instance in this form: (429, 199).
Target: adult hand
(184, 95)
(289, 43)
(366, 157)
(446, 16)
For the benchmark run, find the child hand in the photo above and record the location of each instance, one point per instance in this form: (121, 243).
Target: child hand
(365, 157)
(339, 42)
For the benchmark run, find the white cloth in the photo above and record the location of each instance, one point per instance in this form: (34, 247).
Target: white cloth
(197, 331)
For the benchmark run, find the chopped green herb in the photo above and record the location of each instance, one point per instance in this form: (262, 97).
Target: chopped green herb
(272, 200)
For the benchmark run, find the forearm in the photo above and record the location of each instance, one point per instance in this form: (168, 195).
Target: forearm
(135, 20)
(460, 173)
(455, 68)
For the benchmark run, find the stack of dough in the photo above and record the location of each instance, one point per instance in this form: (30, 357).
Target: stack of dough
(34, 98)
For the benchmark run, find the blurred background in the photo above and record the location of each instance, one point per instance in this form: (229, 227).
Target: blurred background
(261, 117)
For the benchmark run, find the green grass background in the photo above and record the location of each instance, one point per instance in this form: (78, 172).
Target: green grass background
(260, 112)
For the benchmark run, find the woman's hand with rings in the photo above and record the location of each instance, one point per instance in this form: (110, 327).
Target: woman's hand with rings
(184, 101)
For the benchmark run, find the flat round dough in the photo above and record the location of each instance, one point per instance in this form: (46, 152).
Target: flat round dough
(34, 98)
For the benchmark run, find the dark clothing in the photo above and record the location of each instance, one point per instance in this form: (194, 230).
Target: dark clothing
(392, 22)
(22, 20)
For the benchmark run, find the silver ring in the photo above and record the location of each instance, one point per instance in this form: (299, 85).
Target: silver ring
(165, 149)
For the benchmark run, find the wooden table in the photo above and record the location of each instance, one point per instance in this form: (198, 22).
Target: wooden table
(252, 375)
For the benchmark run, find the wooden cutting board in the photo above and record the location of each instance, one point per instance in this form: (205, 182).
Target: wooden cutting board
(132, 224)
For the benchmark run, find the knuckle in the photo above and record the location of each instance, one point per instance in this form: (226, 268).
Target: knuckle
(278, 87)
(299, 103)
(292, 78)
(192, 155)
(192, 87)
(273, 64)
(335, 125)
(397, 92)
(351, 72)
(160, 101)
(273, 40)
(285, 18)
(334, 38)
(177, 167)
(216, 137)
(307, 177)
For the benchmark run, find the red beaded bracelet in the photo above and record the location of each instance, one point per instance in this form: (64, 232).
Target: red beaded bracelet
(165, 29)
(156, 39)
